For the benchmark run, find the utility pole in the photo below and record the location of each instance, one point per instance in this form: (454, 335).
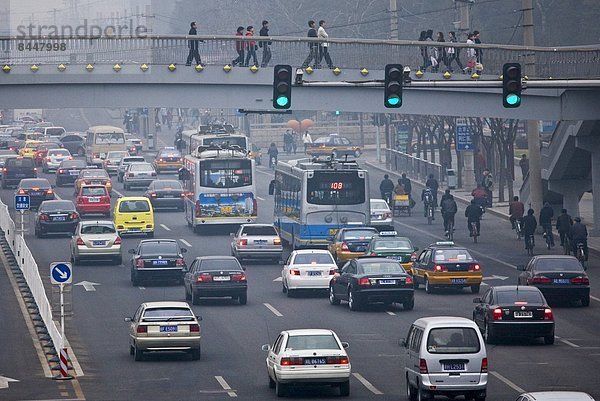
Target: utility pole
(463, 25)
(533, 135)
(394, 19)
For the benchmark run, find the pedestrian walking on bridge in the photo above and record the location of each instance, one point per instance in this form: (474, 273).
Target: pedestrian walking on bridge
(193, 46)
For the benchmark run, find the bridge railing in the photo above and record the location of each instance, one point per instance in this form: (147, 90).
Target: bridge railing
(559, 62)
(415, 167)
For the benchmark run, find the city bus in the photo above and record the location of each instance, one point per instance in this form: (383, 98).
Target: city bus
(221, 187)
(218, 135)
(314, 198)
(102, 139)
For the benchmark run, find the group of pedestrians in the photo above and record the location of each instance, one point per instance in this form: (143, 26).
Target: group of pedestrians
(246, 50)
(317, 51)
(440, 51)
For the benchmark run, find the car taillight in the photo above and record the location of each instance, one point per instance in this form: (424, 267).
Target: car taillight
(44, 217)
(74, 216)
(39, 154)
(338, 360)
(105, 199)
(277, 241)
(372, 254)
(408, 282)
(50, 191)
(198, 210)
(440, 268)
(46, 158)
(148, 225)
(130, 175)
(580, 280)
(80, 199)
(423, 366)
(345, 247)
(80, 241)
(179, 262)
(474, 268)
(139, 263)
(548, 314)
(238, 277)
(61, 171)
(160, 160)
(194, 328)
(204, 278)
(117, 241)
(364, 281)
(141, 329)
(21, 192)
(4, 170)
(294, 272)
(497, 314)
(292, 361)
(183, 194)
(107, 162)
(242, 242)
(331, 272)
(153, 194)
(35, 169)
(180, 160)
(387, 215)
(153, 174)
(120, 227)
(484, 365)
(96, 155)
(539, 280)
(70, 158)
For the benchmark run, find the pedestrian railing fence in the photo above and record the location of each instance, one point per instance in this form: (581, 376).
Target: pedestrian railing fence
(414, 167)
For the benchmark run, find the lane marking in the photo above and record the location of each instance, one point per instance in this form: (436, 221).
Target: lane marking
(57, 196)
(77, 388)
(390, 313)
(278, 279)
(226, 387)
(186, 243)
(259, 198)
(142, 288)
(262, 172)
(272, 309)
(118, 193)
(594, 298)
(569, 343)
(367, 384)
(507, 382)
(165, 227)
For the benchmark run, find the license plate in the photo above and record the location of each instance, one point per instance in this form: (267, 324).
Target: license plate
(394, 257)
(98, 243)
(142, 174)
(387, 281)
(35, 193)
(314, 273)
(523, 314)
(59, 159)
(260, 241)
(74, 172)
(561, 281)
(97, 183)
(459, 280)
(168, 196)
(134, 230)
(160, 262)
(59, 218)
(168, 329)
(221, 278)
(315, 361)
(94, 200)
(454, 366)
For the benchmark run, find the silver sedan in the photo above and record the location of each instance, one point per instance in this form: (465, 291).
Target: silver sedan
(257, 241)
(96, 240)
(138, 174)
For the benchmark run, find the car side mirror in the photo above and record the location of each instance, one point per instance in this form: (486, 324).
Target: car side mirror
(128, 319)
(53, 186)
(416, 249)
(402, 342)
(131, 251)
(266, 347)
(477, 301)
(244, 268)
(183, 250)
(345, 344)
(199, 318)
(521, 268)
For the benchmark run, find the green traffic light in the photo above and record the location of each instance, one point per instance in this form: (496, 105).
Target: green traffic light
(513, 99)
(393, 100)
(282, 101)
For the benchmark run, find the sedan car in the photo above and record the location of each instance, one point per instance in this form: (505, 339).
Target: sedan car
(42, 150)
(350, 243)
(333, 145)
(164, 326)
(126, 161)
(74, 143)
(559, 277)
(93, 199)
(96, 240)
(93, 176)
(166, 194)
(138, 175)
(308, 356)
(258, 241)
(38, 189)
(308, 269)
(514, 311)
(157, 260)
(555, 396)
(68, 171)
(381, 215)
(168, 159)
(53, 159)
(388, 245)
(372, 280)
(216, 276)
(112, 160)
(56, 217)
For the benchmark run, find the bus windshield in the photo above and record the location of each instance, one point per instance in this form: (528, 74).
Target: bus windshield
(102, 138)
(224, 141)
(336, 188)
(226, 173)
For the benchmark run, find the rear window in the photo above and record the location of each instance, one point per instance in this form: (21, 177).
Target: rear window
(453, 340)
(559, 265)
(509, 297)
(34, 183)
(93, 191)
(219, 264)
(392, 244)
(359, 234)
(131, 206)
(159, 248)
(140, 167)
(313, 259)
(262, 230)
(26, 162)
(71, 138)
(57, 206)
(381, 268)
(73, 164)
(161, 313)
(95, 173)
(98, 229)
(133, 160)
(296, 343)
(164, 184)
(55, 131)
(169, 153)
(452, 255)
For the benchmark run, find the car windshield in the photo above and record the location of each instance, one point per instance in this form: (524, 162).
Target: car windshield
(134, 206)
(509, 297)
(392, 244)
(381, 267)
(95, 173)
(219, 264)
(358, 234)
(323, 139)
(57, 206)
(166, 184)
(452, 255)
(28, 184)
(154, 314)
(310, 342)
(453, 340)
(159, 248)
(559, 265)
(140, 167)
(93, 191)
(109, 138)
(259, 230)
(313, 259)
(98, 229)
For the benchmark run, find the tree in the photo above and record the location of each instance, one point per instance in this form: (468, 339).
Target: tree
(503, 136)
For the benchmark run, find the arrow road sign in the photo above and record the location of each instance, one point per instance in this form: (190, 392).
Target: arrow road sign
(88, 285)
(61, 273)
(5, 380)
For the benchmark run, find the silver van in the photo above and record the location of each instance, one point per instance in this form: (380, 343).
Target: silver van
(445, 356)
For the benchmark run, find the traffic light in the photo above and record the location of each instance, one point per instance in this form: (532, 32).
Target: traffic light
(282, 87)
(393, 86)
(511, 85)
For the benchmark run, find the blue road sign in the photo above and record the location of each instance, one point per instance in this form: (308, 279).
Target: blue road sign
(22, 202)
(61, 273)
(464, 140)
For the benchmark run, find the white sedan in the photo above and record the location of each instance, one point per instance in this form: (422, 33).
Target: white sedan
(308, 269)
(308, 356)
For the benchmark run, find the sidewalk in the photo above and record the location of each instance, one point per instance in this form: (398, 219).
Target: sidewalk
(499, 209)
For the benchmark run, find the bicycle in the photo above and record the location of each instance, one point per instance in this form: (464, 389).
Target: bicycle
(450, 231)
(518, 228)
(474, 231)
(387, 197)
(549, 239)
(566, 246)
(529, 244)
(429, 213)
(273, 162)
(580, 254)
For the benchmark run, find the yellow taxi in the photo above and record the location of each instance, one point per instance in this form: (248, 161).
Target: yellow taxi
(333, 145)
(350, 243)
(168, 159)
(134, 215)
(444, 265)
(93, 176)
(30, 148)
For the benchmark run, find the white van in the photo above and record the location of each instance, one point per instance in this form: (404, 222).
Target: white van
(445, 355)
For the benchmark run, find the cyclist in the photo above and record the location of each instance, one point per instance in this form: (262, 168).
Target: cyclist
(428, 201)
(473, 213)
(563, 226)
(529, 226)
(449, 209)
(516, 210)
(399, 188)
(434, 185)
(407, 184)
(578, 234)
(386, 188)
(272, 152)
(479, 196)
(546, 215)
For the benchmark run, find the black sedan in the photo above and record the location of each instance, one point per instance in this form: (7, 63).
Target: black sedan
(157, 260)
(38, 189)
(216, 276)
(559, 277)
(165, 194)
(372, 280)
(56, 217)
(68, 171)
(514, 311)
(74, 143)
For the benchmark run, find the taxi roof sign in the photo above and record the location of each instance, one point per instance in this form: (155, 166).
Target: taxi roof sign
(445, 243)
(388, 233)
